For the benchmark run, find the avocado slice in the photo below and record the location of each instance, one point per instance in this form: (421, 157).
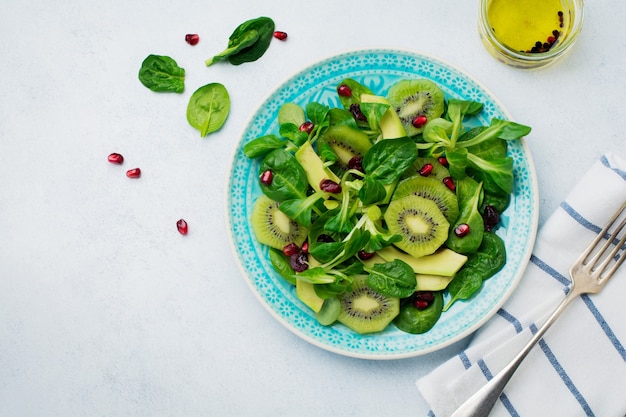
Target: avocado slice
(314, 166)
(390, 123)
(444, 262)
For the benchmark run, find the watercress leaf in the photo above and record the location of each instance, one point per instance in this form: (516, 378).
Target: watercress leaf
(262, 145)
(469, 195)
(289, 180)
(316, 275)
(393, 279)
(416, 321)
(162, 74)
(388, 159)
(372, 191)
(280, 262)
(208, 108)
(357, 89)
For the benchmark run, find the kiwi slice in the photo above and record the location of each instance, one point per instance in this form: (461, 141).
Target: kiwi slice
(432, 189)
(412, 98)
(346, 142)
(365, 310)
(438, 171)
(420, 223)
(274, 228)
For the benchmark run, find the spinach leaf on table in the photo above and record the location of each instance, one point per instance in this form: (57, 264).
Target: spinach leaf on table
(247, 43)
(208, 108)
(162, 74)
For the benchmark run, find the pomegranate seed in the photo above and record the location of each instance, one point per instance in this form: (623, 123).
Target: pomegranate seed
(324, 238)
(425, 296)
(419, 121)
(491, 218)
(192, 39)
(305, 247)
(133, 173)
(364, 256)
(462, 230)
(299, 262)
(443, 161)
(280, 35)
(356, 162)
(358, 115)
(344, 91)
(449, 182)
(426, 170)
(266, 177)
(291, 249)
(307, 127)
(116, 158)
(421, 304)
(330, 186)
(182, 227)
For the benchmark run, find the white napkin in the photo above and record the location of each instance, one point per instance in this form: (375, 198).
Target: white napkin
(579, 367)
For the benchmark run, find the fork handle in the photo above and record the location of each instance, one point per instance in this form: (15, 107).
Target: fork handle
(481, 403)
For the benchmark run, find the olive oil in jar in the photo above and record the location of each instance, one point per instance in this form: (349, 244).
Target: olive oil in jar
(530, 26)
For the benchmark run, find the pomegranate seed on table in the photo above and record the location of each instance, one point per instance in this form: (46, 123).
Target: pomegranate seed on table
(133, 173)
(280, 35)
(192, 39)
(182, 227)
(116, 158)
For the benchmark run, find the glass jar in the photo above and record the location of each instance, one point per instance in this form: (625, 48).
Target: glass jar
(512, 31)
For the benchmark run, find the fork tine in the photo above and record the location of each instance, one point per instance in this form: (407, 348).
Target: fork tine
(613, 256)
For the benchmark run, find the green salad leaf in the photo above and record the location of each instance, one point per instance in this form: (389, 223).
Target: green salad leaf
(162, 74)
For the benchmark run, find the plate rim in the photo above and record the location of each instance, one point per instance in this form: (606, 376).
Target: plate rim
(385, 355)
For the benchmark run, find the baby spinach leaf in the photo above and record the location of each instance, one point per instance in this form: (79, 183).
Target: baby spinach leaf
(247, 43)
(208, 108)
(162, 74)
(487, 261)
(388, 159)
(393, 279)
(415, 321)
(289, 180)
(372, 190)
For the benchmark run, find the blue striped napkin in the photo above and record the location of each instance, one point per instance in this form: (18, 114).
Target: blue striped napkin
(579, 367)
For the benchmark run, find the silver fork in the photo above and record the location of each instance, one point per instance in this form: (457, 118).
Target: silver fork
(589, 274)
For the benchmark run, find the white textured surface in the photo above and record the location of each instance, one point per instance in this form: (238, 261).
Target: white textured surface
(104, 308)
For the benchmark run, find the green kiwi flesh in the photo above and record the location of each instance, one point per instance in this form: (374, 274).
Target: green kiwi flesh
(274, 228)
(420, 223)
(412, 98)
(432, 189)
(365, 310)
(346, 142)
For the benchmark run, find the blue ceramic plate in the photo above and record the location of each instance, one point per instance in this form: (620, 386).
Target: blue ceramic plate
(378, 70)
